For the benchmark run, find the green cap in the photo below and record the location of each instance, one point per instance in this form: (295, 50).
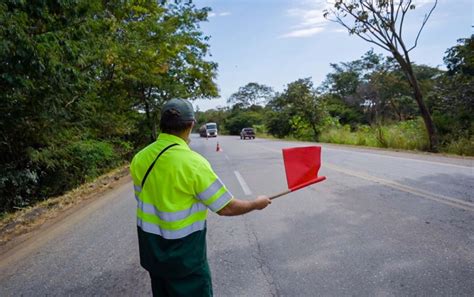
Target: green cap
(181, 107)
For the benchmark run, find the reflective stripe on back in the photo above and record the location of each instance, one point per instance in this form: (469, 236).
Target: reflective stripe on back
(171, 234)
(170, 216)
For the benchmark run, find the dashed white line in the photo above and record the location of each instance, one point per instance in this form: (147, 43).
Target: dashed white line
(243, 184)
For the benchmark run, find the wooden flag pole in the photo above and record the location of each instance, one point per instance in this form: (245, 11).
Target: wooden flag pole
(280, 194)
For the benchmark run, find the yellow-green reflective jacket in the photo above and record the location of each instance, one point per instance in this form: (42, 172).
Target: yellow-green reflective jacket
(178, 191)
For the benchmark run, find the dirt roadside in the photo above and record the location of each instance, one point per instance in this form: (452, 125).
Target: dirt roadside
(18, 227)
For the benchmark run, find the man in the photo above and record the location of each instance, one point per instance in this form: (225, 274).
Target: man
(174, 186)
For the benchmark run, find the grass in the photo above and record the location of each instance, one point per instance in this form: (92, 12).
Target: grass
(462, 146)
(408, 135)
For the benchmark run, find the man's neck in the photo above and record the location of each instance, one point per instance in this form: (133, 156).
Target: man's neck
(184, 135)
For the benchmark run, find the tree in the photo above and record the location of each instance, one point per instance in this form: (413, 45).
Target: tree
(251, 93)
(460, 58)
(80, 79)
(381, 23)
(161, 54)
(300, 108)
(49, 60)
(453, 95)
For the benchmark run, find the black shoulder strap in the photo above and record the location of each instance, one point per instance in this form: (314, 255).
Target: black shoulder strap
(153, 164)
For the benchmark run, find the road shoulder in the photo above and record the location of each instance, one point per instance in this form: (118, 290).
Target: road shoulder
(20, 227)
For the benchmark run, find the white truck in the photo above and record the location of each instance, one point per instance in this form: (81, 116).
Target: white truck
(208, 130)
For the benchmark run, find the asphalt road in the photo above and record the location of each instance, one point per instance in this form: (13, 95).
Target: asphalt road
(382, 224)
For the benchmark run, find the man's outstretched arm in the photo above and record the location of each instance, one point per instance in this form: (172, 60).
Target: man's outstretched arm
(239, 207)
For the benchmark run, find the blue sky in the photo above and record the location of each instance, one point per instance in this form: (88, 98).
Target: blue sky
(275, 42)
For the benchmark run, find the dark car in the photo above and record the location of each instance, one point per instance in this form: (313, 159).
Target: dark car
(247, 133)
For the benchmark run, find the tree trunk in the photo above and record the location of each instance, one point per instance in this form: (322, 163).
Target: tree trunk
(425, 113)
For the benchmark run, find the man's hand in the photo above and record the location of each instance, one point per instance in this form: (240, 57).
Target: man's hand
(261, 202)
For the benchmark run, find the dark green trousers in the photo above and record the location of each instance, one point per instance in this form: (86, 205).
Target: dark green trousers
(196, 284)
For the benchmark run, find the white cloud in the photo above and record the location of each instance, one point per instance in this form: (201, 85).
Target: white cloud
(220, 14)
(310, 19)
(303, 32)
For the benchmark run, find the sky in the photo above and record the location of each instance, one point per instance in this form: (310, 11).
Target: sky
(275, 42)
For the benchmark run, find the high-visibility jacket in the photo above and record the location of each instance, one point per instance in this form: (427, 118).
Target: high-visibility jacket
(172, 205)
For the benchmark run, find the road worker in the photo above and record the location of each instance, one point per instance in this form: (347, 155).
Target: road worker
(174, 187)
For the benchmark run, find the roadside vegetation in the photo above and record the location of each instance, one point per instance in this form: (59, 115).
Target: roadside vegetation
(82, 84)
(364, 102)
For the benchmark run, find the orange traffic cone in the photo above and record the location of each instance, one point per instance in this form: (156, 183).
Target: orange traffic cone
(218, 148)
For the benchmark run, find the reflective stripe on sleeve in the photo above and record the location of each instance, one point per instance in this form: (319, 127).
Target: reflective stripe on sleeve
(211, 190)
(221, 201)
(171, 234)
(170, 216)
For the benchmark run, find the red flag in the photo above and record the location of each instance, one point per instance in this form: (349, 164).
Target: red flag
(301, 166)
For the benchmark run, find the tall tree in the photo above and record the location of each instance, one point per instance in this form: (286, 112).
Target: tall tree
(161, 54)
(79, 78)
(300, 104)
(381, 22)
(453, 102)
(251, 93)
(49, 52)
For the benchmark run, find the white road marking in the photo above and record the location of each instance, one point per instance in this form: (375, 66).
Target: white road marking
(243, 184)
(227, 157)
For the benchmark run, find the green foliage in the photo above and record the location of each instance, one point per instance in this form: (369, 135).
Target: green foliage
(304, 110)
(17, 186)
(452, 97)
(460, 58)
(409, 135)
(65, 167)
(461, 146)
(251, 94)
(82, 83)
(364, 135)
(278, 123)
(242, 119)
(381, 23)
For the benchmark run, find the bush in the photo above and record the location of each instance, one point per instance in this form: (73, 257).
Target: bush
(16, 187)
(278, 124)
(65, 168)
(461, 146)
(409, 135)
(57, 169)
